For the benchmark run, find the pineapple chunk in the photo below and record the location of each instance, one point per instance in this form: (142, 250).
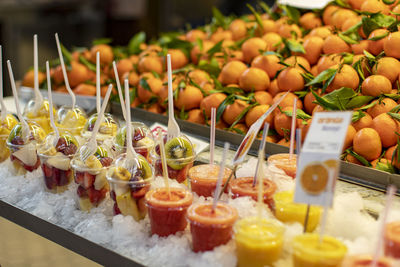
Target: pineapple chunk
(127, 205)
(93, 163)
(85, 204)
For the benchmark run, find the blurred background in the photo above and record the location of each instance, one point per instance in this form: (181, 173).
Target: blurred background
(80, 21)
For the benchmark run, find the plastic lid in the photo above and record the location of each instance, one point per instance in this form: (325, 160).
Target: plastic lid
(201, 213)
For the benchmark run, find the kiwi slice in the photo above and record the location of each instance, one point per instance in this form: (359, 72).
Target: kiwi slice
(176, 150)
(70, 139)
(16, 131)
(101, 152)
(144, 167)
(90, 123)
(121, 137)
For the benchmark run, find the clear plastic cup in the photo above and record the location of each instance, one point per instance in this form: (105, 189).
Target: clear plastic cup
(366, 261)
(259, 241)
(128, 187)
(203, 178)
(309, 252)
(178, 165)
(211, 229)
(6, 126)
(284, 162)
(288, 211)
(91, 178)
(168, 214)
(392, 239)
(243, 187)
(55, 157)
(142, 139)
(108, 128)
(71, 120)
(23, 148)
(40, 116)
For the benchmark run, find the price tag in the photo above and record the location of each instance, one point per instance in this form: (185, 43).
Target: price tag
(318, 164)
(306, 4)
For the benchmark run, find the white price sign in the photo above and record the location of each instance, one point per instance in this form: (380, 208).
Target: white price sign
(306, 4)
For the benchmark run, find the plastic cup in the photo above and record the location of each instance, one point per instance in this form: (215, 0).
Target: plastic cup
(288, 211)
(282, 161)
(168, 215)
(392, 239)
(203, 178)
(259, 241)
(211, 229)
(6, 126)
(71, 120)
(243, 187)
(108, 129)
(56, 178)
(366, 261)
(309, 252)
(41, 117)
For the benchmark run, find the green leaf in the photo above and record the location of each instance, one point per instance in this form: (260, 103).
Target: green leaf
(388, 2)
(324, 103)
(293, 13)
(67, 55)
(359, 158)
(368, 25)
(385, 166)
(376, 21)
(378, 37)
(301, 94)
(395, 116)
(216, 48)
(295, 46)
(183, 115)
(134, 43)
(219, 18)
(101, 41)
(257, 16)
(143, 83)
(370, 105)
(347, 39)
(238, 131)
(241, 115)
(395, 109)
(357, 115)
(228, 90)
(211, 67)
(300, 114)
(353, 28)
(323, 76)
(88, 64)
(221, 108)
(369, 55)
(358, 101)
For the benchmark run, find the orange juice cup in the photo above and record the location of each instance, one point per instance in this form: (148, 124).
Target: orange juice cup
(309, 252)
(168, 215)
(392, 239)
(366, 261)
(282, 161)
(243, 187)
(203, 178)
(211, 229)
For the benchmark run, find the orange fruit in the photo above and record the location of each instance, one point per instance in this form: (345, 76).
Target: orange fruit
(263, 97)
(389, 155)
(195, 34)
(314, 70)
(384, 161)
(254, 79)
(310, 21)
(375, 47)
(367, 143)
(231, 72)
(345, 77)
(358, 49)
(290, 79)
(85, 89)
(313, 47)
(77, 74)
(134, 59)
(154, 108)
(28, 79)
(364, 122)
(340, 16)
(268, 26)
(199, 76)
(308, 102)
(211, 101)
(296, 61)
(235, 55)
(273, 88)
(220, 35)
(232, 111)
(392, 44)
(273, 41)
(321, 32)
(350, 22)
(189, 98)
(124, 66)
(268, 63)
(238, 29)
(284, 142)
(145, 94)
(327, 61)
(255, 113)
(376, 85)
(196, 53)
(328, 12)
(335, 44)
(355, 4)
(196, 116)
(282, 122)
(382, 106)
(251, 48)
(104, 89)
(178, 58)
(375, 6)
(287, 101)
(289, 31)
(132, 77)
(364, 64)
(348, 141)
(106, 54)
(350, 158)
(150, 63)
(208, 87)
(388, 67)
(240, 128)
(386, 127)
(396, 9)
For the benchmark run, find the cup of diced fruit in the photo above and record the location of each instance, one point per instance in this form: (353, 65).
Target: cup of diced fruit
(6, 125)
(108, 128)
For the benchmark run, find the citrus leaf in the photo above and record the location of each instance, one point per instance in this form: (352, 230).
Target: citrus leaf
(388, 2)
(358, 101)
(183, 115)
(386, 167)
(370, 105)
(216, 48)
(238, 131)
(292, 13)
(295, 46)
(368, 25)
(323, 76)
(395, 109)
(134, 43)
(211, 67)
(221, 108)
(143, 83)
(353, 28)
(357, 115)
(369, 55)
(220, 19)
(88, 64)
(347, 39)
(67, 55)
(378, 37)
(101, 41)
(359, 158)
(241, 115)
(395, 116)
(300, 114)
(323, 102)
(256, 15)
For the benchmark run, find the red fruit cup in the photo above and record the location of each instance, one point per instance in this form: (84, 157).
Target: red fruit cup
(168, 214)
(203, 178)
(180, 175)
(392, 239)
(24, 158)
(57, 171)
(284, 162)
(243, 187)
(366, 261)
(128, 196)
(211, 229)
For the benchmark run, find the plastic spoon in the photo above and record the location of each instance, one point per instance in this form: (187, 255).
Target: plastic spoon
(164, 161)
(38, 95)
(212, 135)
(220, 175)
(53, 124)
(98, 105)
(121, 97)
(293, 129)
(64, 71)
(173, 127)
(3, 105)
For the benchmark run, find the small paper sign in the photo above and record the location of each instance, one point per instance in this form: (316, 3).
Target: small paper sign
(318, 164)
(306, 4)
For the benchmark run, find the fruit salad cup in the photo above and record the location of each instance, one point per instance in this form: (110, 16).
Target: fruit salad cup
(285, 163)
(71, 120)
(211, 229)
(5, 128)
(91, 178)
(128, 187)
(22, 144)
(167, 213)
(180, 156)
(142, 139)
(392, 239)
(243, 187)
(203, 178)
(108, 128)
(259, 241)
(41, 116)
(55, 157)
(366, 261)
(288, 211)
(309, 252)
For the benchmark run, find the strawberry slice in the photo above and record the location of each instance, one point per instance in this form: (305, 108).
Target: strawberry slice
(81, 191)
(79, 177)
(88, 180)
(47, 171)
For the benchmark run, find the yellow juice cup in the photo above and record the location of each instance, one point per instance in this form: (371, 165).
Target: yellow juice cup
(288, 211)
(259, 241)
(309, 252)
